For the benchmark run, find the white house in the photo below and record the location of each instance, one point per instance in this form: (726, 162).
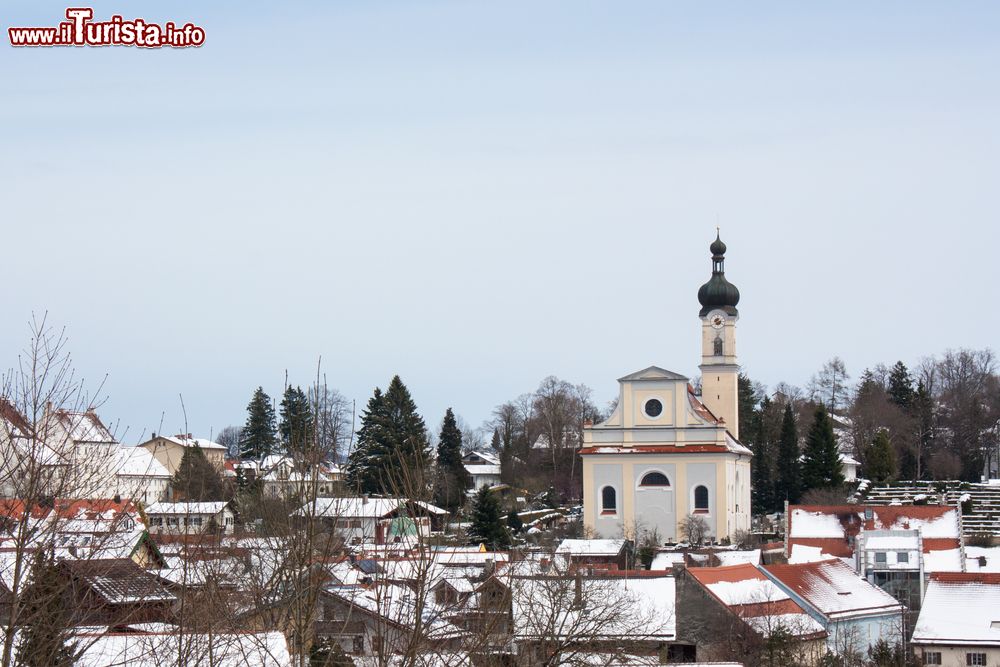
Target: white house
(959, 623)
(190, 518)
(282, 477)
(139, 476)
(483, 467)
(359, 520)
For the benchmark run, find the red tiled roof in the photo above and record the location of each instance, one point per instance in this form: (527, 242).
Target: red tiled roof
(966, 577)
(833, 546)
(727, 573)
(14, 416)
(655, 449)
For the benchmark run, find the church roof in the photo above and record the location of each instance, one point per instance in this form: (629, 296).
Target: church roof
(653, 373)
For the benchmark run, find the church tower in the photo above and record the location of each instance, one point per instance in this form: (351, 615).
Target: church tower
(719, 370)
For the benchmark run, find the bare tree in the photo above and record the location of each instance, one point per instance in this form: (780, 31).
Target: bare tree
(829, 385)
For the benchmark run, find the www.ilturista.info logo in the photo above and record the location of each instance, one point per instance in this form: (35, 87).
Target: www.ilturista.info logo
(80, 30)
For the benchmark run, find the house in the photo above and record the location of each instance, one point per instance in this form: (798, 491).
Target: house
(854, 613)
(169, 450)
(893, 547)
(283, 477)
(28, 466)
(112, 592)
(625, 612)
(363, 519)
(139, 476)
(665, 453)
(736, 611)
(87, 445)
(191, 518)
(959, 623)
(483, 468)
(613, 553)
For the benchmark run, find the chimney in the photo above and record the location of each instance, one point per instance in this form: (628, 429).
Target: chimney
(489, 568)
(578, 590)
(154, 435)
(364, 499)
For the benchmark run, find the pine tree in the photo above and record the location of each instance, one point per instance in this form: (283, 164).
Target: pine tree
(296, 427)
(487, 525)
(196, 479)
(514, 521)
(748, 395)
(788, 485)
(900, 389)
(392, 452)
(881, 459)
(821, 467)
(452, 477)
(762, 464)
(45, 618)
(258, 437)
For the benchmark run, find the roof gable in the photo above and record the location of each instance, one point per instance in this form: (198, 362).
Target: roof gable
(652, 373)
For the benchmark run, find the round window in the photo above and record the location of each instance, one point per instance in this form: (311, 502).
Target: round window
(653, 408)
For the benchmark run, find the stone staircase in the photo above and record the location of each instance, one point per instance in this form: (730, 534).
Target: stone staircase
(984, 519)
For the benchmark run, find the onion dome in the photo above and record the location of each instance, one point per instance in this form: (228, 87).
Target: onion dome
(718, 293)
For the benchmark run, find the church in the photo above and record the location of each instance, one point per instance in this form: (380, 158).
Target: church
(666, 453)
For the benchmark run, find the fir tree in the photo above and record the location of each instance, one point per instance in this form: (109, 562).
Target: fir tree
(452, 477)
(258, 437)
(762, 464)
(392, 452)
(900, 389)
(514, 521)
(487, 525)
(881, 460)
(748, 396)
(45, 618)
(788, 484)
(196, 479)
(495, 443)
(296, 427)
(821, 467)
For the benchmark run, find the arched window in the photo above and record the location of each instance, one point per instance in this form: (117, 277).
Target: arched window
(701, 499)
(654, 479)
(718, 347)
(609, 500)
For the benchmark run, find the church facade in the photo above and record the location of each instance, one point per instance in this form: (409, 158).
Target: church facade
(666, 453)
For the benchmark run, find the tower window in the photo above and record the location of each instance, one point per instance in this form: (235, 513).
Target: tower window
(609, 500)
(701, 499)
(718, 347)
(654, 479)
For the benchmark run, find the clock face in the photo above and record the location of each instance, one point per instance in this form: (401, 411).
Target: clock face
(718, 321)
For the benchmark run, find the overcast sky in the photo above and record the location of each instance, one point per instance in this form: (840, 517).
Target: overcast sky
(478, 195)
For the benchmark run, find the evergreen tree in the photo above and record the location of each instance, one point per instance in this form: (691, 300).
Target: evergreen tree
(45, 618)
(762, 464)
(514, 521)
(495, 443)
(296, 427)
(452, 477)
(821, 467)
(748, 396)
(900, 388)
(788, 484)
(258, 437)
(881, 459)
(196, 479)
(392, 452)
(487, 525)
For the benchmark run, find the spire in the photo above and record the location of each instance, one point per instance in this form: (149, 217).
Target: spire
(718, 293)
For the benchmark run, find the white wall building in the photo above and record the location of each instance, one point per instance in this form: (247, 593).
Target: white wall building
(483, 467)
(190, 518)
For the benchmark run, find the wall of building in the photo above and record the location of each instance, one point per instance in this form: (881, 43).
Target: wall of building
(955, 656)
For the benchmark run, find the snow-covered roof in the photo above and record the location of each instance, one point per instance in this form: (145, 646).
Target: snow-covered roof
(982, 559)
(833, 588)
(590, 547)
(665, 560)
(360, 507)
(187, 508)
(488, 457)
(736, 557)
(265, 649)
(638, 605)
(138, 462)
(757, 600)
(960, 608)
(185, 441)
(83, 426)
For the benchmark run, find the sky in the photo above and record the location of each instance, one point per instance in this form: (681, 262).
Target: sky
(478, 195)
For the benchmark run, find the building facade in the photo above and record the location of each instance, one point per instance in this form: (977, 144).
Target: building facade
(666, 453)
